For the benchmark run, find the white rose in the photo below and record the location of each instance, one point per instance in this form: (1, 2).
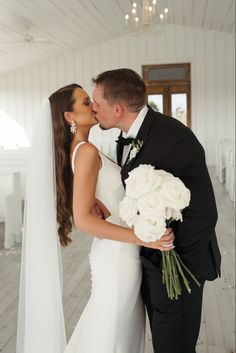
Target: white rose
(142, 180)
(149, 229)
(151, 205)
(133, 152)
(173, 214)
(175, 194)
(165, 175)
(128, 210)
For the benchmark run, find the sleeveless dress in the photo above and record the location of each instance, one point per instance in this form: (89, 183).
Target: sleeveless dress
(114, 319)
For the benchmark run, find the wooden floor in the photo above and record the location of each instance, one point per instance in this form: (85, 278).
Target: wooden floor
(218, 326)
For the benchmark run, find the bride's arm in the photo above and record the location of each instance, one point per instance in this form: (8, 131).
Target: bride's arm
(87, 165)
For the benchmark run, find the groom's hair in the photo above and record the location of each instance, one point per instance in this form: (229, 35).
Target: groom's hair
(122, 86)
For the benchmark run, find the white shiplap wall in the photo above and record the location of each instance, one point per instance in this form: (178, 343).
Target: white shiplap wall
(210, 53)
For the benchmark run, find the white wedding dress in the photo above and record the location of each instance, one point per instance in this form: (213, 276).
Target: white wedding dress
(114, 318)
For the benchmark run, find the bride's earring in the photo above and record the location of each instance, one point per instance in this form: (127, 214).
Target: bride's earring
(73, 127)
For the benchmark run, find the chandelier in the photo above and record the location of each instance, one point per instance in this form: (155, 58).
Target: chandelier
(146, 15)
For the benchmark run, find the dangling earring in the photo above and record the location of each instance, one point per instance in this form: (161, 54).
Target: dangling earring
(73, 127)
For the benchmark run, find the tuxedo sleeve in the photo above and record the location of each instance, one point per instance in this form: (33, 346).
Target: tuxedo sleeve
(199, 218)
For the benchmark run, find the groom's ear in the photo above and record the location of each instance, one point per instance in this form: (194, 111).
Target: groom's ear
(119, 109)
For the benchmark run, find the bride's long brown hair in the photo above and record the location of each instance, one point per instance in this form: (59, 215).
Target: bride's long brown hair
(62, 101)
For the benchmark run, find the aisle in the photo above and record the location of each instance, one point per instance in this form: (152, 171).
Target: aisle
(218, 322)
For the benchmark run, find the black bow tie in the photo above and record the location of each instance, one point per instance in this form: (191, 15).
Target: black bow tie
(122, 141)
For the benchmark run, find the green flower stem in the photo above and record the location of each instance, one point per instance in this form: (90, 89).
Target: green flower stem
(176, 283)
(166, 276)
(173, 286)
(177, 279)
(163, 268)
(182, 273)
(186, 269)
(169, 274)
(172, 268)
(172, 279)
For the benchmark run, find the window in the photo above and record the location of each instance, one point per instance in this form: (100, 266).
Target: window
(169, 90)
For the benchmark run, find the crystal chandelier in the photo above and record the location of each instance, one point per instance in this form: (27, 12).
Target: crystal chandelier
(149, 14)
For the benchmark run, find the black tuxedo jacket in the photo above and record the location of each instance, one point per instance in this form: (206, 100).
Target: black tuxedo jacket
(170, 145)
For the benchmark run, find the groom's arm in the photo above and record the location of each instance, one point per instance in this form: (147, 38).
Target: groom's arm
(199, 219)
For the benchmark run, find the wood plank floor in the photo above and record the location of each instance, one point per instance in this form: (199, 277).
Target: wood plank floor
(217, 333)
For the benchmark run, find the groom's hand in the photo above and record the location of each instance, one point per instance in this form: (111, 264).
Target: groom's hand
(97, 211)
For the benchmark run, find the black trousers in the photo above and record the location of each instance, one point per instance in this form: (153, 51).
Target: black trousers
(175, 324)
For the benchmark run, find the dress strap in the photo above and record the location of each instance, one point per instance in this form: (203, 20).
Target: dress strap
(74, 154)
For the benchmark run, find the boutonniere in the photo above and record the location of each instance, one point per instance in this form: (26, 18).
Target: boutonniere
(135, 148)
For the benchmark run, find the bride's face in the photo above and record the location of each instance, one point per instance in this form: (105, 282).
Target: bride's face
(82, 112)
(104, 112)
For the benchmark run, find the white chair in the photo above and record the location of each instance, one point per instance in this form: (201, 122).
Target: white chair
(221, 148)
(18, 205)
(9, 239)
(230, 172)
(217, 159)
(13, 213)
(13, 165)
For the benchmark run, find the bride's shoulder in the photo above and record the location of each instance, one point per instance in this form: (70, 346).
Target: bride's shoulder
(87, 151)
(88, 147)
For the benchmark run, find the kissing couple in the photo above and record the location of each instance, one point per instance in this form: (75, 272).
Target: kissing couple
(71, 183)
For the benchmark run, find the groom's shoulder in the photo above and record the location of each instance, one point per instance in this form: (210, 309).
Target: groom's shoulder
(168, 123)
(171, 129)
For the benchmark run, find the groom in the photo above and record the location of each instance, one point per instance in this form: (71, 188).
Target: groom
(120, 101)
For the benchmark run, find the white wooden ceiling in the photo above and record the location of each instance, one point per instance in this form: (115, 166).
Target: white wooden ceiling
(74, 24)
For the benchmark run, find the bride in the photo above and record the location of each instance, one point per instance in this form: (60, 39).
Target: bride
(66, 177)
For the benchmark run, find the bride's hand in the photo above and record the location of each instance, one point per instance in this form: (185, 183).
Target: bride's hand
(165, 243)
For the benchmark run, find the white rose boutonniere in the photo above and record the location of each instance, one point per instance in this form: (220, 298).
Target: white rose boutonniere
(135, 148)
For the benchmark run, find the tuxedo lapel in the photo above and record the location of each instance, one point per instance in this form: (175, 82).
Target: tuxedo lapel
(119, 151)
(141, 136)
(146, 125)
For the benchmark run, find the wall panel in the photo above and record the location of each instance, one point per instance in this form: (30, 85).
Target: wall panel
(210, 53)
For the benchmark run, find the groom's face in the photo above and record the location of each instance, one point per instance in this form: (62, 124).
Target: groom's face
(104, 112)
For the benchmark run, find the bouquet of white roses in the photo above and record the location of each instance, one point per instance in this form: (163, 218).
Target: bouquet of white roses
(153, 199)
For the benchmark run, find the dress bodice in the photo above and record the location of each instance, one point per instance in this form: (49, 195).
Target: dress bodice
(109, 189)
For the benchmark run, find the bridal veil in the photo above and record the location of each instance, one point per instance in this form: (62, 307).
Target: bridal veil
(40, 317)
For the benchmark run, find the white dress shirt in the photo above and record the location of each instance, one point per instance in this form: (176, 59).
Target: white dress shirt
(133, 131)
